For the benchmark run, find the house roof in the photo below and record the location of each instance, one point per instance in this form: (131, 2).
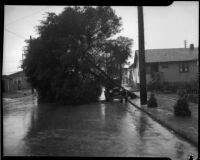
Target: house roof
(170, 55)
(16, 74)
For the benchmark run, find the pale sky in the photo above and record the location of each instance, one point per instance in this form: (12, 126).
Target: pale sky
(165, 27)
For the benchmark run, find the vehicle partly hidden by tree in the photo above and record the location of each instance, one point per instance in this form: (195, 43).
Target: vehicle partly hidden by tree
(74, 54)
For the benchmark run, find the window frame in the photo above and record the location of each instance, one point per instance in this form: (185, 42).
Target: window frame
(183, 67)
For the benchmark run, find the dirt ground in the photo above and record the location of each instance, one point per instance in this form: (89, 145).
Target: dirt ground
(17, 94)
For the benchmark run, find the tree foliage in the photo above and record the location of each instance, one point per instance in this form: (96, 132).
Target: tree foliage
(117, 52)
(58, 62)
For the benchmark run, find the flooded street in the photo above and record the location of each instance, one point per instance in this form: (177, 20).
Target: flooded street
(100, 129)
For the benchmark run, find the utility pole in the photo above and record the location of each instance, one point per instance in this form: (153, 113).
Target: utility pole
(32, 89)
(185, 42)
(142, 66)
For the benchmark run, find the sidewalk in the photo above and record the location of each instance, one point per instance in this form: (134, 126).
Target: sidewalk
(184, 127)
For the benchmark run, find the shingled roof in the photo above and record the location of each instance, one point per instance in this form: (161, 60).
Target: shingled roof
(170, 55)
(16, 74)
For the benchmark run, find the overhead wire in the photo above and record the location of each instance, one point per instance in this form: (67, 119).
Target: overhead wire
(19, 36)
(25, 17)
(22, 19)
(15, 34)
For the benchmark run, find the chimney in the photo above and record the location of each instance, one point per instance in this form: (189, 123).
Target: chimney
(192, 46)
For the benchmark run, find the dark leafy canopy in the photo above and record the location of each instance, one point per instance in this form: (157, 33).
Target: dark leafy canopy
(117, 52)
(56, 62)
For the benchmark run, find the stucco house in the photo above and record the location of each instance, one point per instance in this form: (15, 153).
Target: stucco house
(125, 76)
(168, 65)
(15, 81)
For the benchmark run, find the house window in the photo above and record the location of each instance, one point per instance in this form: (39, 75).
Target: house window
(164, 65)
(183, 67)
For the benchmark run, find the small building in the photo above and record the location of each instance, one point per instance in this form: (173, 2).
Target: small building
(5, 83)
(15, 81)
(125, 76)
(168, 65)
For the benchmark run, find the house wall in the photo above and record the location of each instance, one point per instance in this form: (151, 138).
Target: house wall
(125, 76)
(148, 76)
(5, 85)
(135, 74)
(172, 74)
(15, 82)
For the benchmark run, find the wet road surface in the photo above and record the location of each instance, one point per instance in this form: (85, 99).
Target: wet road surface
(100, 129)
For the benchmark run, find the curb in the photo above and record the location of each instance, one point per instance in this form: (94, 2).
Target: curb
(177, 132)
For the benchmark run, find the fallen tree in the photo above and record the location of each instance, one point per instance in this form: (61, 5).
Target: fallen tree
(64, 64)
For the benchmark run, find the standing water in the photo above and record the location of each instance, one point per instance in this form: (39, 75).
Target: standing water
(98, 129)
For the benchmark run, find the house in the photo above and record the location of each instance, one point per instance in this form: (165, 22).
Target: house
(5, 83)
(168, 65)
(15, 81)
(125, 76)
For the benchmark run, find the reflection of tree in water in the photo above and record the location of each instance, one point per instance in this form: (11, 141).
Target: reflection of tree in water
(142, 124)
(115, 109)
(60, 127)
(33, 121)
(141, 128)
(42, 126)
(41, 119)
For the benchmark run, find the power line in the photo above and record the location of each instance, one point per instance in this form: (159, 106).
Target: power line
(25, 16)
(15, 34)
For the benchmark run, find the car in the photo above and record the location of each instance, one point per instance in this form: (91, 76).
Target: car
(114, 93)
(117, 93)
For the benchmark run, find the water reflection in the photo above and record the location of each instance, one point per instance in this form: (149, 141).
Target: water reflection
(103, 107)
(102, 96)
(74, 129)
(16, 123)
(101, 129)
(142, 124)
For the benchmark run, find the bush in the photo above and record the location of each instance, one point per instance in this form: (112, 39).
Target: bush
(181, 108)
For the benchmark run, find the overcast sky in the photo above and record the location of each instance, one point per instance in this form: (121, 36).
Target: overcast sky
(165, 27)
